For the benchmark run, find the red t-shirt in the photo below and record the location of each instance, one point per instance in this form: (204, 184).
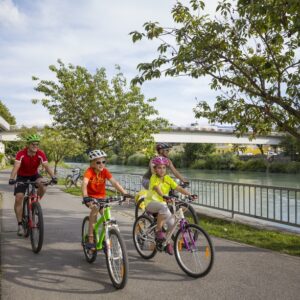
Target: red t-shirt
(29, 164)
(96, 185)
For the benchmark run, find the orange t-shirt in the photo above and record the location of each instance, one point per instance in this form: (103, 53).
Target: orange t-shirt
(96, 185)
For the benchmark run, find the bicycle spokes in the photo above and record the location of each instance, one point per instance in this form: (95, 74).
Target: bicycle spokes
(194, 251)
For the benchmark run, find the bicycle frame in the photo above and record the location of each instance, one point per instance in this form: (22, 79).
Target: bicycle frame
(105, 219)
(179, 220)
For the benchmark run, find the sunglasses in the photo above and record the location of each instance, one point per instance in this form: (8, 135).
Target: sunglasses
(34, 144)
(100, 162)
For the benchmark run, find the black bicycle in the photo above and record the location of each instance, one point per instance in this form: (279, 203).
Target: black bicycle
(74, 179)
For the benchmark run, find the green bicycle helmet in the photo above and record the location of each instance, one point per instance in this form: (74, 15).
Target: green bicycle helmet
(33, 138)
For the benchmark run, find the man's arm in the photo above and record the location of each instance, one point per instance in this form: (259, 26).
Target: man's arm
(48, 169)
(175, 172)
(15, 169)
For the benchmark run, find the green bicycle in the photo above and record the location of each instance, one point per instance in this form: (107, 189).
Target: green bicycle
(107, 237)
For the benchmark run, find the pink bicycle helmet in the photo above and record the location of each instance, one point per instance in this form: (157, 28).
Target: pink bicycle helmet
(160, 160)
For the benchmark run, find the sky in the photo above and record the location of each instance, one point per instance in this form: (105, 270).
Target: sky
(92, 34)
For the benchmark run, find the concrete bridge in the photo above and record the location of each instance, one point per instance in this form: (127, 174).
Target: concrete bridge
(192, 134)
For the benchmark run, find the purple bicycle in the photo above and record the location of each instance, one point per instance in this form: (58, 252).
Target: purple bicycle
(194, 250)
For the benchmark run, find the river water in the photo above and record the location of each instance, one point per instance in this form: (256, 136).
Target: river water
(272, 179)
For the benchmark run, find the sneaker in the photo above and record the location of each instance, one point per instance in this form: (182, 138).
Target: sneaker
(169, 249)
(160, 236)
(20, 231)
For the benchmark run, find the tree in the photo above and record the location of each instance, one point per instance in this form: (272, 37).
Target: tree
(98, 113)
(250, 52)
(291, 147)
(57, 146)
(192, 152)
(6, 115)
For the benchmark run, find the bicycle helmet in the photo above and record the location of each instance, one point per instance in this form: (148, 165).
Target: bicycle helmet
(160, 160)
(33, 138)
(161, 146)
(96, 154)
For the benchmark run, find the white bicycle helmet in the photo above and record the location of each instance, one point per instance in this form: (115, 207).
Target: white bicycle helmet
(96, 154)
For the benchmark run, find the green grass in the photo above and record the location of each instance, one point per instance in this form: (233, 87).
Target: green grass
(270, 239)
(76, 191)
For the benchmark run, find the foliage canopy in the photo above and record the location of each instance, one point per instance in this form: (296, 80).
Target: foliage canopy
(99, 113)
(250, 50)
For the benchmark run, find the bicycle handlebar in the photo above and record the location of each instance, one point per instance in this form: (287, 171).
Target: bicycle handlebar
(108, 200)
(49, 182)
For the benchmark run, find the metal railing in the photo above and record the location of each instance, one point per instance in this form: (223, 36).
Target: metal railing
(271, 203)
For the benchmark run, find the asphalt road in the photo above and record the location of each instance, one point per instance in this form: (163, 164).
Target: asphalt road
(60, 271)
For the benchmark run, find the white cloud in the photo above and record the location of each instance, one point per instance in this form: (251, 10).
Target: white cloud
(10, 16)
(90, 33)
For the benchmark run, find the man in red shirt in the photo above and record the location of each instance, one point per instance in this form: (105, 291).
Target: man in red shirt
(25, 168)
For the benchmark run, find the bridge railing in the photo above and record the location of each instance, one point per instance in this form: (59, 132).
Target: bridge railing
(271, 203)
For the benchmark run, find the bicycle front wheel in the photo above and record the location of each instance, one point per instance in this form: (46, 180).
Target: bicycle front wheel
(68, 181)
(25, 216)
(116, 258)
(37, 228)
(90, 255)
(194, 251)
(144, 237)
(189, 212)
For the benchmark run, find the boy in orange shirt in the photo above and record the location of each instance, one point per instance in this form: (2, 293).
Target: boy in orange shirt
(93, 186)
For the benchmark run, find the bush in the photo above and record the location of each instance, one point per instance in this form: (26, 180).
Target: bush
(220, 162)
(198, 164)
(177, 160)
(138, 159)
(293, 167)
(116, 160)
(278, 167)
(256, 165)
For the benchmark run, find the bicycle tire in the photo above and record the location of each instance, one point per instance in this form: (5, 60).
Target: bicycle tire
(68, 181)
(140, 227)
(116, 259)
(205, 250)
(138, 209)
(79, 180)
(25, 216)
(90, 256)
(37, 229)
(189, 214)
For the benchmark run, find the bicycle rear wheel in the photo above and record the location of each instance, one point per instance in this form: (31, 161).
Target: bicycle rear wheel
(68, 181)
(144, 237)
(78, 182)
(116, 258)
(25, 216)
(37, 229)
(90, 256)
(194, 251)
(139, 208)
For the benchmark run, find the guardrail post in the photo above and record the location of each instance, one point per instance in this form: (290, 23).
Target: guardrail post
(232, 201)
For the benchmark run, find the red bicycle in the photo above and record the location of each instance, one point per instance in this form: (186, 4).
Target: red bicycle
(32, 220)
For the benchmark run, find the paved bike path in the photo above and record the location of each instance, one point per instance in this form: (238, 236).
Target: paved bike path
(60, 271)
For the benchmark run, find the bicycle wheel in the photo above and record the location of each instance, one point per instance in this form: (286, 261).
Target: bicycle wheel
(90, 256)
(78, 182)
(25, 217)
(37, 229)
(189, 212)
(144, 237)
(68, 181)
(139, 208)
(116, 259)
(194, 251)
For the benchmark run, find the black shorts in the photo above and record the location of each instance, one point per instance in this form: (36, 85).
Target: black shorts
(22, 188)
